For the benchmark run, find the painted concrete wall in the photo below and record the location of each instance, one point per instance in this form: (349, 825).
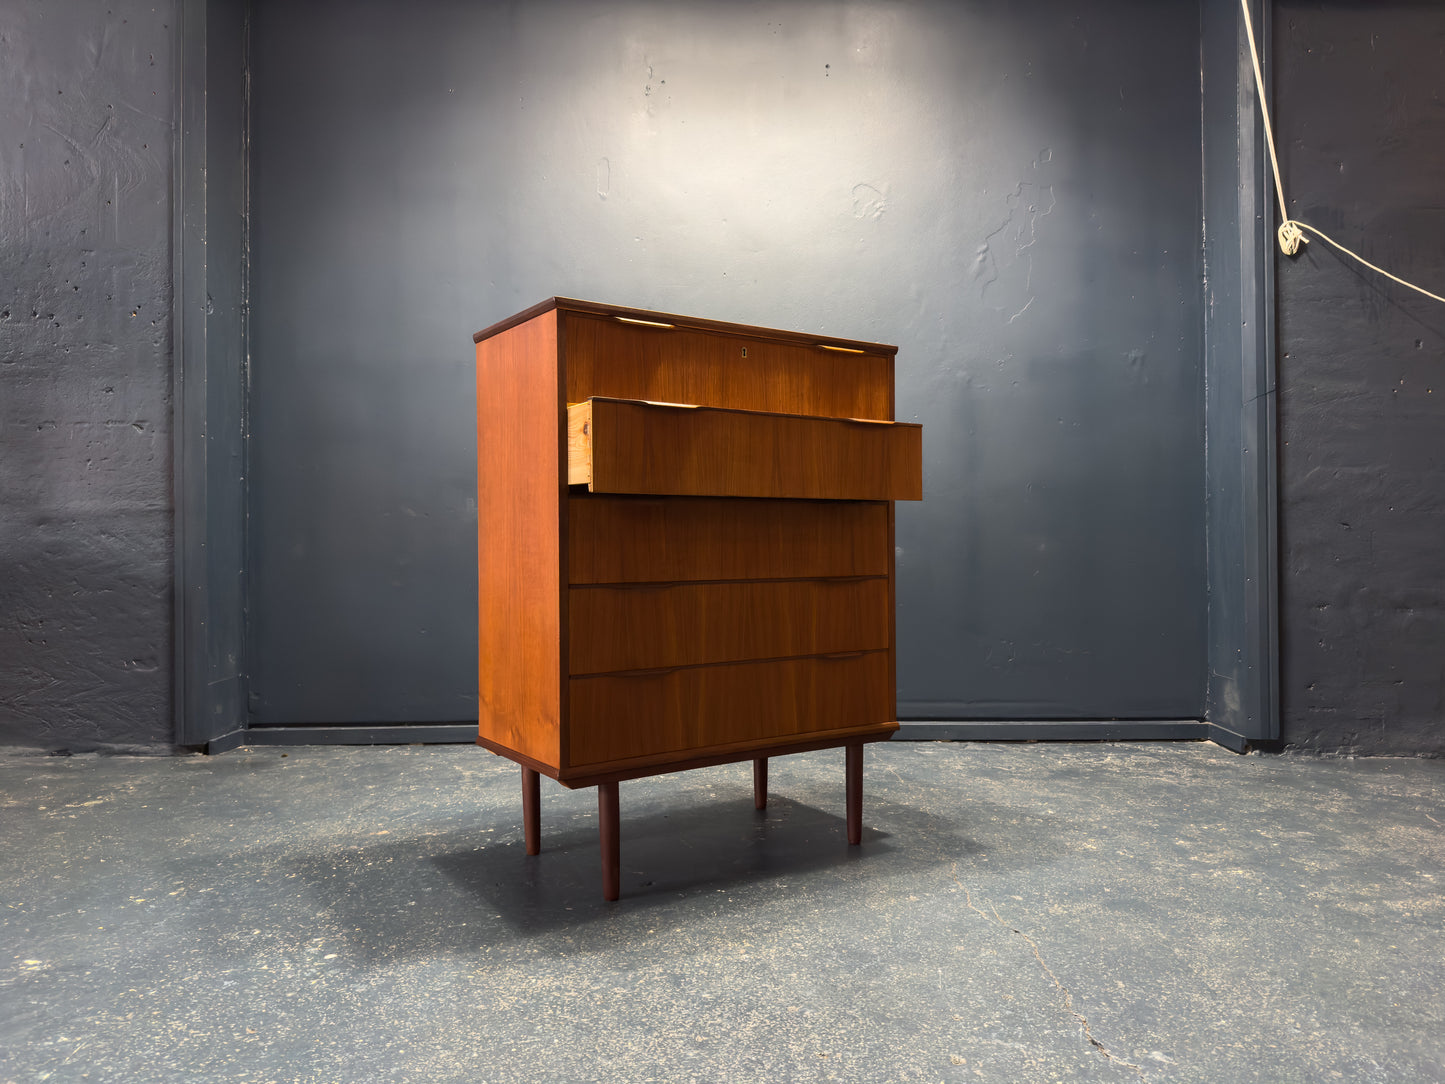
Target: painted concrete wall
(85, 153)
(85, 294)
(1008, 192)
(1361, 118)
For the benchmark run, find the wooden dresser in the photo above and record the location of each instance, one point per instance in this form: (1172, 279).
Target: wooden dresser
(685, 548)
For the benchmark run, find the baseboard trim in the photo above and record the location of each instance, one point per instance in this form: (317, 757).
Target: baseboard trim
(411, 734)
(1237, 743)
(1055, 730)
(226, 742)
(908, 730)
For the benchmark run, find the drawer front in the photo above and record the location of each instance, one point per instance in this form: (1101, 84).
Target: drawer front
(627, 446)
(624, 539)
(615, 717)
(607, 356)
(644, 627)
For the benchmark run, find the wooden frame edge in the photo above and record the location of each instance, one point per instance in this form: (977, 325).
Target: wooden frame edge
(666, 763)
(695, 323)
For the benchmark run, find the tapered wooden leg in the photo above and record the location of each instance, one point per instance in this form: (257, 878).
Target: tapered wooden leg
(611, 851)
(760, 783)
(532, 809)
(854, 796)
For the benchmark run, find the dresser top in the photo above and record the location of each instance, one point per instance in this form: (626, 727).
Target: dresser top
(568, 304)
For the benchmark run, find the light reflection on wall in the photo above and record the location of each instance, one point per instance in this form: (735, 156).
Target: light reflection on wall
(1008, 191)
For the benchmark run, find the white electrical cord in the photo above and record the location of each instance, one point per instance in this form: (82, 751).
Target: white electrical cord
(1291, 231)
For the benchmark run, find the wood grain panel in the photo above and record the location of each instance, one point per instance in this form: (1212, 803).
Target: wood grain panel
(607, 357)
(636, 627)
(520, 505)
(662, 448)
(631, 539)
(636, 767)
(696, 323)
(616, 717)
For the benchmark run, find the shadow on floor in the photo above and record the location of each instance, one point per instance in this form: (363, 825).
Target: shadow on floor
(722, 846)
(452, 891)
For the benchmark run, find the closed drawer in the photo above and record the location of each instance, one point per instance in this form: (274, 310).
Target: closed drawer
(632, 539)
(640, 628)
(630, 446)
(616, 717)
(625, 358)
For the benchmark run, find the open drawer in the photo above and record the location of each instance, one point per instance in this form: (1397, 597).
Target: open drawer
(637, 446)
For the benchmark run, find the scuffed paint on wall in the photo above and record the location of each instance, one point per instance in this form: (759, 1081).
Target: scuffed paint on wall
(1004, 262)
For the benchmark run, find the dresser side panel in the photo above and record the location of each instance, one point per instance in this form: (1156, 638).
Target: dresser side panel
(519, 539)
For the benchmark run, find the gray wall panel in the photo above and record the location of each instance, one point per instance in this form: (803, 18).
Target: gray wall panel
(208, 340)
(1239, 379)
(85, 570)
(1362, 379)
(85, 421)
(1009, 192)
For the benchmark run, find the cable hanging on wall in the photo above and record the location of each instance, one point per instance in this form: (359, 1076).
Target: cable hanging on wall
(1291, 232)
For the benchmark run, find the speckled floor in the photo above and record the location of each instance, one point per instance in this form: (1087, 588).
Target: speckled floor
(1016, 913)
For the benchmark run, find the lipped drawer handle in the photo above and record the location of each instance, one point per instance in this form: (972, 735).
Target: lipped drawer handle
(644, 323)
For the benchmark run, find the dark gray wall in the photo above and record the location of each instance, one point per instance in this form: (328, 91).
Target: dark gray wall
(1240, 466)
(1008, 191)
(1361, 122)
(85, 614)
(209, 344)
(85, 279)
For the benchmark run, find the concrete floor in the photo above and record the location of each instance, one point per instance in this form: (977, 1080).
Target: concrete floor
(1016, 913)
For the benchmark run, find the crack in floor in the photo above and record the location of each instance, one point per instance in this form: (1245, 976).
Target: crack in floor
(1068, 997)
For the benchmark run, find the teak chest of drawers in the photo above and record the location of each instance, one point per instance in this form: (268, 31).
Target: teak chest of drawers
(685, 548)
